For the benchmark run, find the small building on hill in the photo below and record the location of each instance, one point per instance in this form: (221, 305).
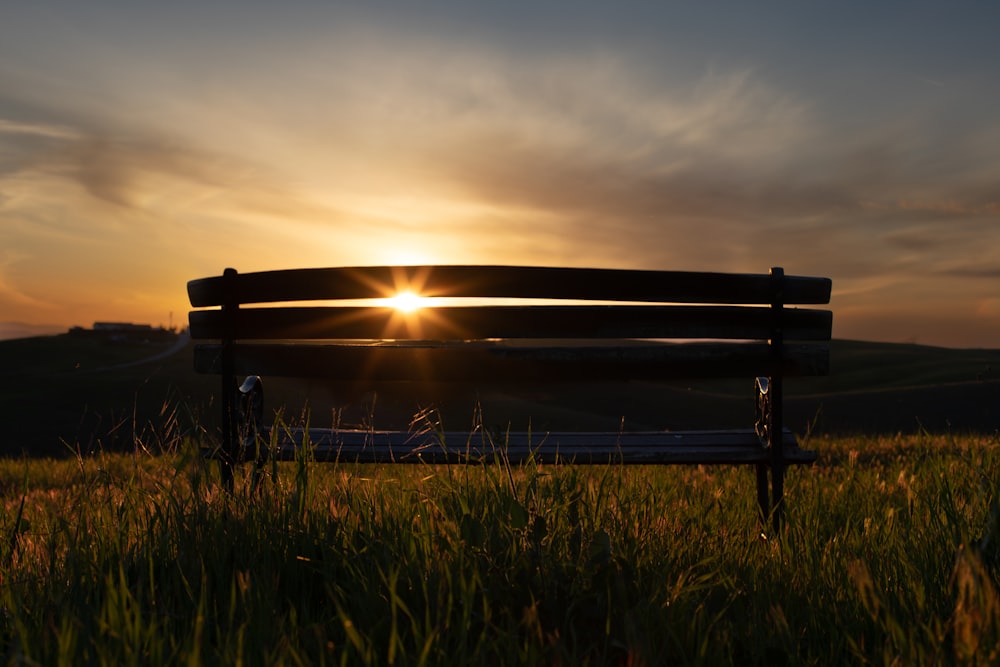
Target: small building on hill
(124, 331)
(122, 327)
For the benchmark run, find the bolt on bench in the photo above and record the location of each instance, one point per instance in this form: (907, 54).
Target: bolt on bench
(502, 324)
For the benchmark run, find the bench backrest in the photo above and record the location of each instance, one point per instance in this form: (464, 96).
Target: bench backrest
(590, 324)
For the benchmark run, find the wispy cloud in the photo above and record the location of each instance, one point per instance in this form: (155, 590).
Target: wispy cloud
(37, 130)
(12, 296)
(975, 270)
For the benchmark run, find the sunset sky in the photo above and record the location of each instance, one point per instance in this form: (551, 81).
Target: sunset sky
(145, 144)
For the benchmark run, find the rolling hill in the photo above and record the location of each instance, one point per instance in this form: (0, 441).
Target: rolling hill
(61, 394)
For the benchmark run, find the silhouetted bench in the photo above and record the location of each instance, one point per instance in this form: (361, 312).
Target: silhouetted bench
(593, 325)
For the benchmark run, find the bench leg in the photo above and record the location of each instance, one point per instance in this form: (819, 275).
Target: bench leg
(768, 426)
(770, 501)
(226, 453)
(243, 414)
(251, 421)
(763, 493)
(777, 495)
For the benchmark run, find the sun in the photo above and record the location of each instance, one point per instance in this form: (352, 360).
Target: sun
(406, 302)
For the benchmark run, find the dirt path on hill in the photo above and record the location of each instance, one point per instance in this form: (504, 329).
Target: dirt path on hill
(182, 340)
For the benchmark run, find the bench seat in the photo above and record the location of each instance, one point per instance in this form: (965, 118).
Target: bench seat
(737, 446)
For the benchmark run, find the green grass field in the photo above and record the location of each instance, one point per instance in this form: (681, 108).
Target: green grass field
(135, 559)
(122, 550)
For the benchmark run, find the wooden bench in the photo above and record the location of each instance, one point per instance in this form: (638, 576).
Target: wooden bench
(500, 324)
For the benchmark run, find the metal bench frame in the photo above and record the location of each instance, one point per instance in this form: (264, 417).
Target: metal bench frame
(593, 324)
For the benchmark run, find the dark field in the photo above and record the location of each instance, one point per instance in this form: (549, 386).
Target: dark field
(65, 394)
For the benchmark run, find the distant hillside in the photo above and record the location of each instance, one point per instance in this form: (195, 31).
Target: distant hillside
(864, 366)
(884, 387)
(65, 392)
(889, 387)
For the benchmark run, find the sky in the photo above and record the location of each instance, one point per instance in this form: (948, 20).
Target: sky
(146, 144)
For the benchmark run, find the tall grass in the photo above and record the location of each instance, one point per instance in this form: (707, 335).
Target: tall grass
(887, 558)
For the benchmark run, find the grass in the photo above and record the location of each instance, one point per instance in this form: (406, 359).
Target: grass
(888, 558)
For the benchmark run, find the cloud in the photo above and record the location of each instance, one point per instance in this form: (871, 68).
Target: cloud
(989, 308)
(11, 296)
(150, 174)
(37, 130)
(601, 154)
(975, 270)
(339, 144)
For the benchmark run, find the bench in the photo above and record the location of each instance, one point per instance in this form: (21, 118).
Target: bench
(513, 324)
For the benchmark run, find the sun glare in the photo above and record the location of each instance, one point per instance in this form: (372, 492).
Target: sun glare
(406, 302)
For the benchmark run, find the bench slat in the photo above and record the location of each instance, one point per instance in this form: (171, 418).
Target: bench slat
(479, 361)
(633, 448)
(505, 282)
(477, 322)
